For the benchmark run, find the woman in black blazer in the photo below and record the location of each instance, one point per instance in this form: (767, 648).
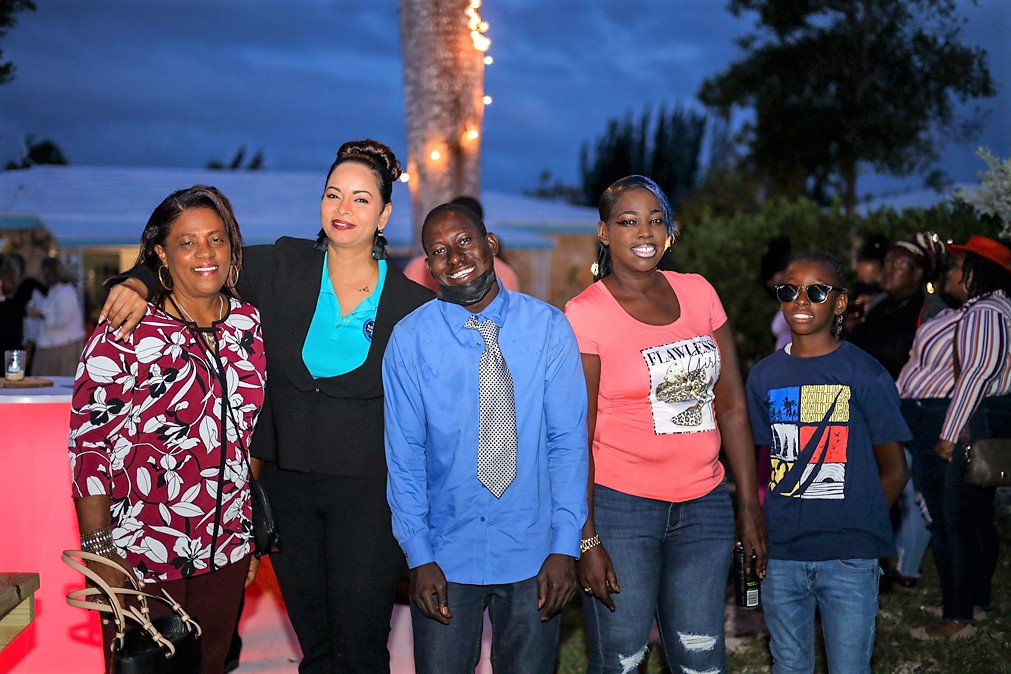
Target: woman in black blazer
(320, 433)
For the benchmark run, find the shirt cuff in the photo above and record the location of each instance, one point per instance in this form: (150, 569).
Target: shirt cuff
(565, 541)
(418, 551)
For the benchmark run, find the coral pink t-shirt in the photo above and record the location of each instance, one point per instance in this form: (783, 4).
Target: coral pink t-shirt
(656, 434)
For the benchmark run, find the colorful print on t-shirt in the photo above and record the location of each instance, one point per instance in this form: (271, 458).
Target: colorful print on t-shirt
(810, 430)
(682, 375)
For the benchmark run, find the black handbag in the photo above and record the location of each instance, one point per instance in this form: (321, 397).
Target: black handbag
(168, 644)
(266, 535)
(988, 462)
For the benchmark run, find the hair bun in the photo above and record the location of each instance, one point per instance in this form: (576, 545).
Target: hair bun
(373, 153)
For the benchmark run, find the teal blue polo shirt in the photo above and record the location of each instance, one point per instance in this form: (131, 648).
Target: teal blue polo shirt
(337, 344)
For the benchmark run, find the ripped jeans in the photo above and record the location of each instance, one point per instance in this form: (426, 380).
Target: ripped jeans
(672, 561)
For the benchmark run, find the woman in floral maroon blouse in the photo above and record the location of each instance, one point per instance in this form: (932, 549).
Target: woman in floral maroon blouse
(162, 420)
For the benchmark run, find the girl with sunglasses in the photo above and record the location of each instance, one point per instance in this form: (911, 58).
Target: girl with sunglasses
(830, 413)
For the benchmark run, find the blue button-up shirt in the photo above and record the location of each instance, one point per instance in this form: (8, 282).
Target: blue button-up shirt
(441, 512)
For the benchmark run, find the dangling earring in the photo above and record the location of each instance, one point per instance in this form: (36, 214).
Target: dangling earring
(602, 267)
(837, 328)
(379, 246)
(320, 241)
(167, 286)
(232, 270)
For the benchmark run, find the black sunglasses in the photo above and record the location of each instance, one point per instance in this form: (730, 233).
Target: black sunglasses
(816, 293)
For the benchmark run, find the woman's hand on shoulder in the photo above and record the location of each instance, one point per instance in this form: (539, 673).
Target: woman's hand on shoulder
(125, 307)
(596, 576)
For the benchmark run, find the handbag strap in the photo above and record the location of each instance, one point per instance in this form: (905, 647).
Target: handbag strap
(82, 598)
(956, 363)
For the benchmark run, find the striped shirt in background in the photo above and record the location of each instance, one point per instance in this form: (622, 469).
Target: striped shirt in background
(984, 340)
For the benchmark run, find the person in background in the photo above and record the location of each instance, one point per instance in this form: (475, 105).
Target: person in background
(957, 389)
(486, 447)
(61, 339)
(11, 313)
(665, 393)
(866, 288)
(890, 322)
(771, 270)
(19, 291)
(161, 424)
(417, 269)
(913, 535)
(328, 307)
(831, 414)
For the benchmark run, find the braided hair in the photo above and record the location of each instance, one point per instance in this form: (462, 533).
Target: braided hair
(982, 276)
(605, 207)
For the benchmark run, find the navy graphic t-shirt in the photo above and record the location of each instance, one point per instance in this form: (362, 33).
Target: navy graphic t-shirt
(821, 418)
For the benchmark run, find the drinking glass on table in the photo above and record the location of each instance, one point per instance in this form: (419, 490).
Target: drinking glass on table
(14, 364)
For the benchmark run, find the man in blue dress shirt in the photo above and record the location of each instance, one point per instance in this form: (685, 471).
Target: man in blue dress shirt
(468, 549)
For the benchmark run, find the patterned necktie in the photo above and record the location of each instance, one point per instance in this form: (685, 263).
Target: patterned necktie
(496, 453)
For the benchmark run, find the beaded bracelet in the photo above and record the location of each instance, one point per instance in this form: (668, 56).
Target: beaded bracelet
(99, 542)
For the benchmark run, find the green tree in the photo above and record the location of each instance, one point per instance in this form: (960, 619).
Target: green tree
(992, 199)
(35, 153)
(8, 8)
(839, 83)
(667, 151)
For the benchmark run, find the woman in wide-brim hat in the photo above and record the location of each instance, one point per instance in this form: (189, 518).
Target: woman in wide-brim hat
(961, 365)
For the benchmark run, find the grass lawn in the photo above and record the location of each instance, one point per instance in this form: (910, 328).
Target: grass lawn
(895, 652)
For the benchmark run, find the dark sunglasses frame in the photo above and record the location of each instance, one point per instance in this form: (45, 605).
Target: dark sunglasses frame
(816, 293)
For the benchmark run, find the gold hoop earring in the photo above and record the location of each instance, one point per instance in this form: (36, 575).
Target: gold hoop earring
(232, 269)
(161, 280)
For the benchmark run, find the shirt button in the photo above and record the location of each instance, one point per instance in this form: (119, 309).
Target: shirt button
(482, 519)
(317, 389)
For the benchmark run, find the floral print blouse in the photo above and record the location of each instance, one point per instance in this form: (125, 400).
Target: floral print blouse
(161, 424)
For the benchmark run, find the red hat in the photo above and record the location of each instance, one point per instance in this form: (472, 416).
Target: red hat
(985, 247)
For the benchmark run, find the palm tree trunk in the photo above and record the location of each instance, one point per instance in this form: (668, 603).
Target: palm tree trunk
(443, 92)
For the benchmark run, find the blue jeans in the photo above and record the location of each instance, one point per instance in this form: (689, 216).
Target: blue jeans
(672, 562)
(520, 642)
(964, 537)
(913, 536)
(846, 592)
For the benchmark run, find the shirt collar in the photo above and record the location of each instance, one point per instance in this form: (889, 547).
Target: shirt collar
(370, 303)
(495, 312)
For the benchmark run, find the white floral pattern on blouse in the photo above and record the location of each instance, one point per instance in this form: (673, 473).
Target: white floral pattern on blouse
(156, 428)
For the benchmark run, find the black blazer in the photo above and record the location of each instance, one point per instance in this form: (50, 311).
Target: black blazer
(333, 425)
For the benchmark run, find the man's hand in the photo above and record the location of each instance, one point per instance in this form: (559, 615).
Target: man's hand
(125, 307)
(556, 583)
(430, 592)
(596, 572)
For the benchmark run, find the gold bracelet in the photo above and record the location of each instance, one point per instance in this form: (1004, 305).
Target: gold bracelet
(587, 543)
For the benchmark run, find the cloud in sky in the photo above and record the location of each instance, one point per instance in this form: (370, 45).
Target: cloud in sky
(181, 82)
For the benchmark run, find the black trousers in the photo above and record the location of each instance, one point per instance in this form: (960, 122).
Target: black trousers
(963, 535)
(337, 569)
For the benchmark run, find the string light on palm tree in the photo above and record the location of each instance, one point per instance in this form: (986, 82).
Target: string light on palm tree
(478, 27)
